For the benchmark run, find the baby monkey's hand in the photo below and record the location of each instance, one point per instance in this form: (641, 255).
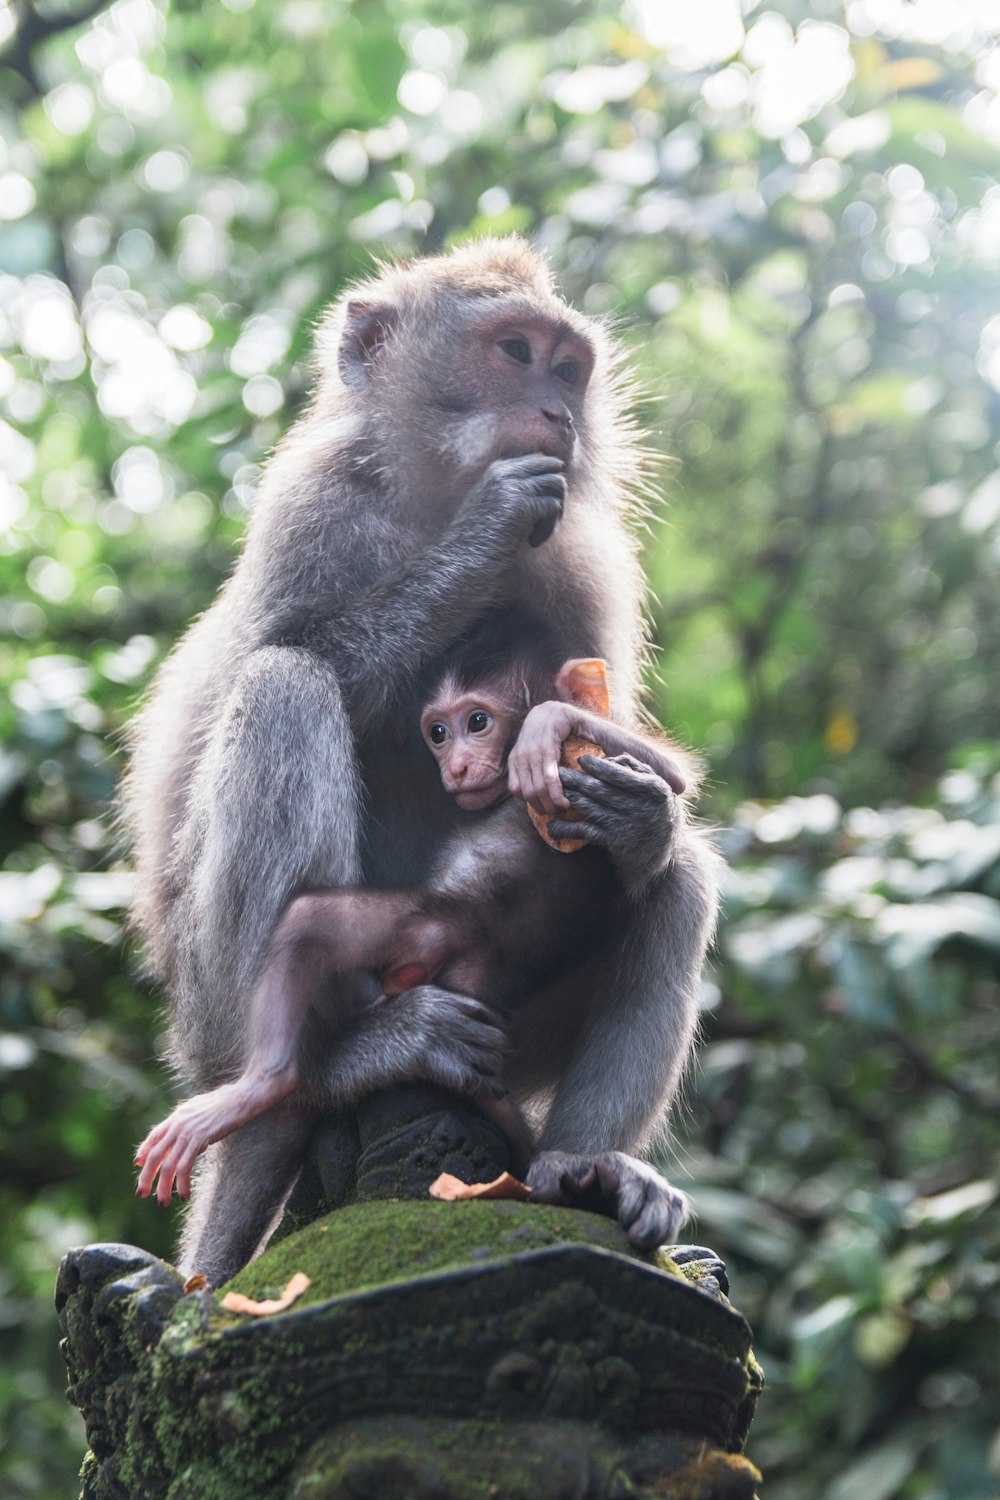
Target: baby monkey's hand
(533, 764)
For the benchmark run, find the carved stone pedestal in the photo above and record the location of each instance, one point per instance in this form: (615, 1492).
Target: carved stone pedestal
(451, 1350)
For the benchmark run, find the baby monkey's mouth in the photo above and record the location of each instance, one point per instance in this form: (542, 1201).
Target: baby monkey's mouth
(475, 799)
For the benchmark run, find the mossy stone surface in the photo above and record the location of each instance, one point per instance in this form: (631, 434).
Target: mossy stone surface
(441, 1348)
(478, 1348)
(401, 1459)
(367, 1245)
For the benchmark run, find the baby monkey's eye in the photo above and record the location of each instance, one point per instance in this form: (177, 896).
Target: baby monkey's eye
(568, 371)
(518, 349)
(437, 733)
(479, 721)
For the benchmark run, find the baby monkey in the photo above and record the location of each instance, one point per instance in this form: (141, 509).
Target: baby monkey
(503, 914)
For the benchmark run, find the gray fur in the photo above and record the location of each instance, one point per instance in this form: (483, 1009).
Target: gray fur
(265, 764)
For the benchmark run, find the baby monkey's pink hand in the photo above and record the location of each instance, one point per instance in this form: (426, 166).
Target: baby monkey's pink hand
(533, 764)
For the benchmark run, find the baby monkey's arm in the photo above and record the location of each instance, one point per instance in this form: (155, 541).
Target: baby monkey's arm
(533, 767)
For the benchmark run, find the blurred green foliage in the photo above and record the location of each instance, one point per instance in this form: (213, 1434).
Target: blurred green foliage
(843, 1139)
(790, 212)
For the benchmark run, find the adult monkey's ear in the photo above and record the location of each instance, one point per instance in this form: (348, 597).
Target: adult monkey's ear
(367, 328)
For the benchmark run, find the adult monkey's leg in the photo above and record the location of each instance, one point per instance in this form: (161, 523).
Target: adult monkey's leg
(275, 806)
(239, 1187)
(627, 1066)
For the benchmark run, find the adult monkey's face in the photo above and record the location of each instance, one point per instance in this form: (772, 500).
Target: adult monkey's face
(464, 370)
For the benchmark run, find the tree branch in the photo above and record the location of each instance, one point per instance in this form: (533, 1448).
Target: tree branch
(32, 31)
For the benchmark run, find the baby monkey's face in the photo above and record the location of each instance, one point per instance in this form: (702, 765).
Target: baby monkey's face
(470, 734)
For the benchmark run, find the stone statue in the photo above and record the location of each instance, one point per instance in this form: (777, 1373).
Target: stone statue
(482, 1348)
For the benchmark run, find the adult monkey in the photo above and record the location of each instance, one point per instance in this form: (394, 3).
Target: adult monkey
(460, 402)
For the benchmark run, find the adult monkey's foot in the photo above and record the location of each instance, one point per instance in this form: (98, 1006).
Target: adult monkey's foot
(612, 1183)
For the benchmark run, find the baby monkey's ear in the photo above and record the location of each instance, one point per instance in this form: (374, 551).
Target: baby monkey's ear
(584, 683)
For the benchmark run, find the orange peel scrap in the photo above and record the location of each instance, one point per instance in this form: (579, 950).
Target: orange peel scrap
(587, 684)
(237, 1302)
(453, 1189)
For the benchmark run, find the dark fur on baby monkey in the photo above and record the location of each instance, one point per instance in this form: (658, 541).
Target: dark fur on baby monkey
(466, 458)
(502, 915)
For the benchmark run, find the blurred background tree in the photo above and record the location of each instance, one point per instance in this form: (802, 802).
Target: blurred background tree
(790, 212)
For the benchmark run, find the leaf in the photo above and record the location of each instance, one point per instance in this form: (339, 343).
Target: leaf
(832, 1314)
(876, 1476)
(761, 1233)
(452, 1189)
(861, 978)
(773, 951)
(881, 1337)
(912, 933)
(13, 766)
(967, 1199)
(237, 1302)
(966, 849)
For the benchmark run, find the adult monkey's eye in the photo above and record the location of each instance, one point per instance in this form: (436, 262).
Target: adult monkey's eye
(437, 733)
(518, 349)
(567, 371)
(479, 721)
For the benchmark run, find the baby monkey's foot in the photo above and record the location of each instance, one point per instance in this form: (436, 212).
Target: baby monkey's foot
(171, 1148)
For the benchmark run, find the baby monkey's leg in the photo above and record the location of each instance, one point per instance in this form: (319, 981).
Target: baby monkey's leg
(319, 936)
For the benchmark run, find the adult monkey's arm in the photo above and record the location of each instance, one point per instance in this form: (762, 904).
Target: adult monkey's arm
(383, 635)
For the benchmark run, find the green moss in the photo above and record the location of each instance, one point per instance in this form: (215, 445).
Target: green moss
(400, 1458)
(403, 1459)
(372, 1244)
